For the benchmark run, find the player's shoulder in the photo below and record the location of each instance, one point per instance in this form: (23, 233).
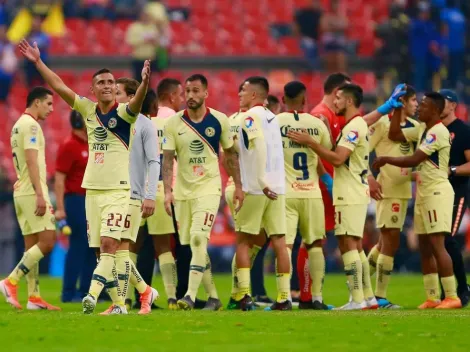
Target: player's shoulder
(217, 114)
(176, 118)
(382, 121)
(411, 123)
(27, 120)
(440, 128)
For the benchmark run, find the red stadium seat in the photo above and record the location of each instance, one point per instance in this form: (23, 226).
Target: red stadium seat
(366, 80)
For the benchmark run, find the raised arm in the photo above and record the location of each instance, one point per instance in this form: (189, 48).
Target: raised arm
(395, 133)
(135, 104)
(32, 53)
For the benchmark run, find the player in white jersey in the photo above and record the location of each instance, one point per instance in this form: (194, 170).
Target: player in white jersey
(263, 181)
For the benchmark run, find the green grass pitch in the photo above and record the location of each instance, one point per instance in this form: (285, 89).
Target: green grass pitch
(382, 330)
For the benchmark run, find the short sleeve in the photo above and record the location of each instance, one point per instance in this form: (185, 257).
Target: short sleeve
(65, 159)
(376, 132)
(168, 137)
(411, 133)
(126, 114)
(83, 105)
(226, 138)
(251, 126)
(432, 142)
(350, 136)
(325, 137)
(30, 133)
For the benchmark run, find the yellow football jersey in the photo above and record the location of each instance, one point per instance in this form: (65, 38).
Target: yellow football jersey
(197, 147)
(433, 177)
(350, 180)
(109, 140)
(27, 134)
(395, 181)
(300, 162)
(234, 121)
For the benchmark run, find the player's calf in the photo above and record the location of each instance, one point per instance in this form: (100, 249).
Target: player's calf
(283, 267)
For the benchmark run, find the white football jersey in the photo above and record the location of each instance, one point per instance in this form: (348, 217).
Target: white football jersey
(259, 122)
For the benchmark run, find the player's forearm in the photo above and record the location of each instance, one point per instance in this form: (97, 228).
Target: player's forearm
(55, 82)
(33, 171)
(59, 188)
(395, 133)
(326, 154)
(463, 170)
(167, 170)
(135, 105)
(153, 172)
(261, 158)
(232, 166)
(403, 161)
(372, 117)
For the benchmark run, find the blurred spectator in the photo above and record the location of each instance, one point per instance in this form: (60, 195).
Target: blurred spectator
(333, 26)
(144, 38)
(43, 41)
(424, 47)
(96, 8)
(127, 9)
(307, 27)
(453, 21)
(3, 13)
(70, 197)
(8, 63)
(158, 12)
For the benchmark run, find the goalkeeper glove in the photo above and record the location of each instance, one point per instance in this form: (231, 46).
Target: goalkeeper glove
(394, 101)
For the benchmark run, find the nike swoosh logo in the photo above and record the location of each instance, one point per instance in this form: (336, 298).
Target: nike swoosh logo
(180, 133)
(269, 121)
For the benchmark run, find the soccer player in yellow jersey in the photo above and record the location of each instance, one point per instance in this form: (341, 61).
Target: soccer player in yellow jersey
(434, 200)
(107, 174)
(194, 135)
(350, 190)
(392, 190)
(31, 197)
(304, 204)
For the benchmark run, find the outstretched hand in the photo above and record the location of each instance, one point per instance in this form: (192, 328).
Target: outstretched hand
(146, 71)
(379, 162)
(32, 53)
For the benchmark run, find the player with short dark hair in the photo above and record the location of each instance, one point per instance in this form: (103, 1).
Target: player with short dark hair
(106, 179)
(304, 206)
(391, 190)
(434, 200)
(31, 198)
(195, 135)
(273, 104)
(350, 158)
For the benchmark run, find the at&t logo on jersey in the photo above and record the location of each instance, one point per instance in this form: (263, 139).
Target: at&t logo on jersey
(100, 134)
(249, 122)
(352, 136)
(431, 138)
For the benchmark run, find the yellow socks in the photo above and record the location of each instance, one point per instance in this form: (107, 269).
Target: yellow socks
(198, 264)
(431, 286)
(33, 281)
(448, 283)
(113, 288)
(168, 270)
(26, 264)
(102, 272)
(130, 289)
(384, 270)
(289, 254)
(353, 271)
(208, 280)
(316, 266)
(366, 284)
(123, 268)
(283, 286)
(243, 276)
(136, 280)
(373, 257)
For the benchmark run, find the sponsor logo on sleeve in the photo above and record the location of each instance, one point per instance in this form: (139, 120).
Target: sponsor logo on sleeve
(33, 140)
(430, 138)
(249, 122)
(352, 136)
(34, 129)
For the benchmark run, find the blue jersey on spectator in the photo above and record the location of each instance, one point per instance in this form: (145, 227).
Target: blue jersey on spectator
(455, 21)
(421, 34)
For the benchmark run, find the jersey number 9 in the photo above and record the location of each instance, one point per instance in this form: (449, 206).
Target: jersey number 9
(300, 163)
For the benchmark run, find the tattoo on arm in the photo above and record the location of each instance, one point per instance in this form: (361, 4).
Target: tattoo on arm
(167, 169)
(232, 165)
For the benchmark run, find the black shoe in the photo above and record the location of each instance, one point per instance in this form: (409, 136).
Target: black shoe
(286, 305)
(295, 299)
(246, 303)
(464, 298)
(199, 304)
(306, 305)
(213, 304)
(186, 303)
(317, 305)
(233, 304)
(263, 300)
(128, 303)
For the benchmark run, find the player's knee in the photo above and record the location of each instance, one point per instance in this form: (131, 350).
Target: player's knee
(47, 241)
(109, 245)
(198, 240)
